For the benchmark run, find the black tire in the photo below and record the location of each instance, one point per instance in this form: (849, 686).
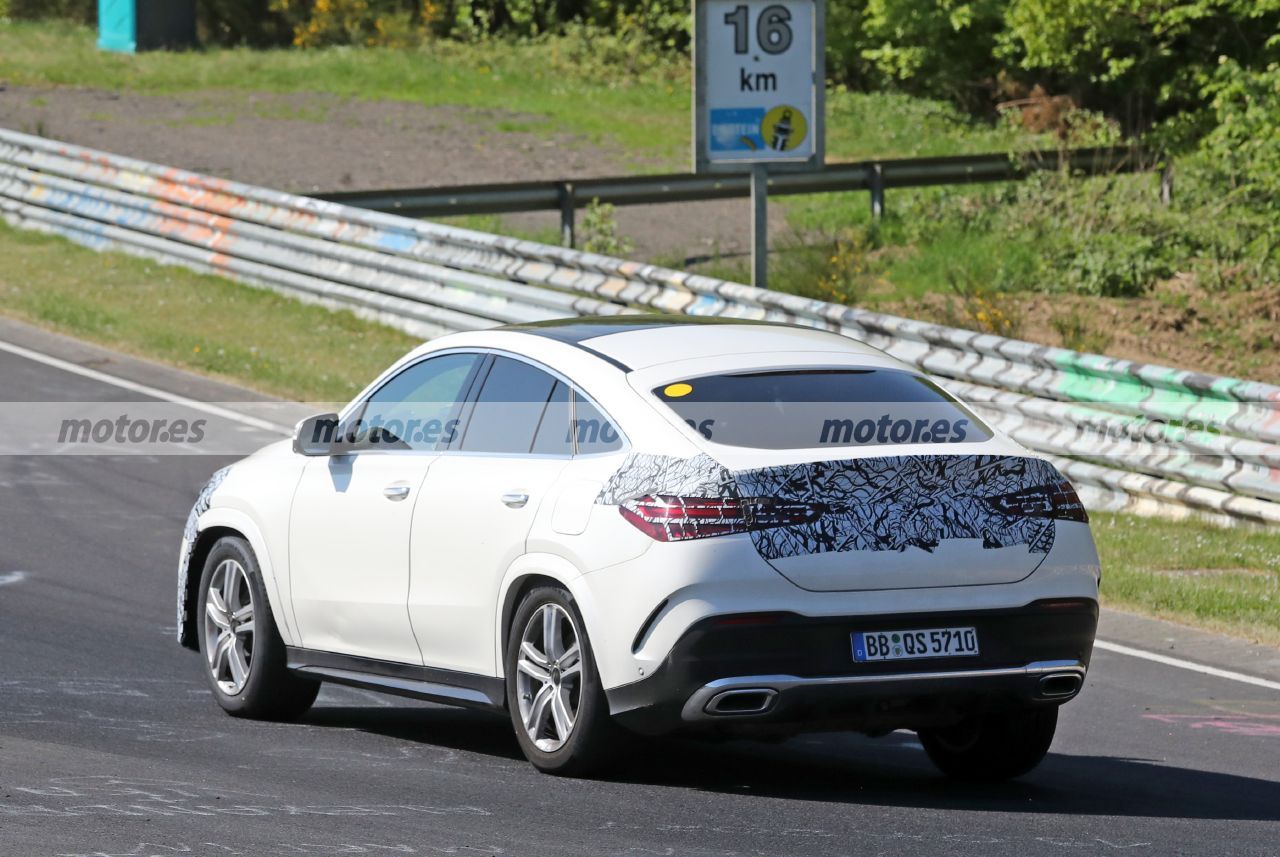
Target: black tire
(595, 740)
(271, 691)
(992, 747)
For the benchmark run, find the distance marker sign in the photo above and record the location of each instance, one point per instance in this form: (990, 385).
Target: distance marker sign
(758, 84)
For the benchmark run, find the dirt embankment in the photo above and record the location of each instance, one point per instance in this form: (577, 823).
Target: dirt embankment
(312, 142)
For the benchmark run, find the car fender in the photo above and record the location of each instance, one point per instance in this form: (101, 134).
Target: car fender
(235, 519)
(570, 577)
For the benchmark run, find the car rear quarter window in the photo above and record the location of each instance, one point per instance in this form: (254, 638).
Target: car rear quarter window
(802, 409)
(509, 408)
(594, 431)
(554, 436)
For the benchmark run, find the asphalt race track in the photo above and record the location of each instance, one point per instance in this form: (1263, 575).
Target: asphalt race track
(111, 745)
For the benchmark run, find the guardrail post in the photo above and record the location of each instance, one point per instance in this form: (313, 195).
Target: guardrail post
(567, 214)
(1166, 181)
(877, 191)
(759, 226)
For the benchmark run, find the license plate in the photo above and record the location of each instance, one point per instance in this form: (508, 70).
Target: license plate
(905, 645)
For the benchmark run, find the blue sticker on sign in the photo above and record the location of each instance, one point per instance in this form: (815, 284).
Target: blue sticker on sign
(736, 129)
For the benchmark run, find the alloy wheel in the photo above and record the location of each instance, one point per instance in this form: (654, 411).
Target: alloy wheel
(549, 677)
(229, 626)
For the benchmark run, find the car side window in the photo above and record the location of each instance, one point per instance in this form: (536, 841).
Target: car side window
(593, 431)
(554, 436)
(417, 409)
(508, 412)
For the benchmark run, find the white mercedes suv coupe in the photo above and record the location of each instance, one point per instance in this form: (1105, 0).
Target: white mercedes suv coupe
(651, 525)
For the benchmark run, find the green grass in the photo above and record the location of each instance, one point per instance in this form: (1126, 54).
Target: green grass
(207, 324)
(1194, 572)
(910, 268)
(862, 125)
(549, 80)
(648, 117)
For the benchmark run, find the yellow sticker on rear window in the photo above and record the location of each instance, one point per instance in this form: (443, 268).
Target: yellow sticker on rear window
(675, 391)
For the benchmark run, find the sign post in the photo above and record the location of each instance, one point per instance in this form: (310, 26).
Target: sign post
(760, 226)
(758, 89)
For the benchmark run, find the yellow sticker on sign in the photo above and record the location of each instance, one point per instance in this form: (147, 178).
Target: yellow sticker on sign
(675, 391)
(783, 128)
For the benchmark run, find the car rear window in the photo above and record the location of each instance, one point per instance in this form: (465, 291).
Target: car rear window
(802, 409)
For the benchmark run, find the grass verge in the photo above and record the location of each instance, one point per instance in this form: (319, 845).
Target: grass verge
(1193, 572)
(207, 324)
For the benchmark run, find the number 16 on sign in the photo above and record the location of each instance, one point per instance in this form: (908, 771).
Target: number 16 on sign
(758, 84)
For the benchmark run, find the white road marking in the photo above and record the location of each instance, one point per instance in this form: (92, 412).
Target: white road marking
(1186, 665)
(153, 392)
(12, 577)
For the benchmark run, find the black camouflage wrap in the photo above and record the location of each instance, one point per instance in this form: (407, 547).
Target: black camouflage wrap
(893, 503)
(188, 546)
(870, 504)
(642, 473)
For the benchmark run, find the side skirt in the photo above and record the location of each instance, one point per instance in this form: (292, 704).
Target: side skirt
(419, 682)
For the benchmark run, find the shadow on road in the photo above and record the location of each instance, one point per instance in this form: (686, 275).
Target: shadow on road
(469, 731)
(894, 771)
(852, 769)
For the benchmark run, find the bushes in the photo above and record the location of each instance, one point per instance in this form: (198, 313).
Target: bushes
(1111, 237)
(1142, 61)
(81, 11)
(662, 25)
(1242, 150)
(319, 23)
(1139, 60)
(935, 47)
(221, 21)
(248, 22)
(600, 233)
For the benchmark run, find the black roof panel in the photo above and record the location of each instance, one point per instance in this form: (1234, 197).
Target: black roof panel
(576, 330)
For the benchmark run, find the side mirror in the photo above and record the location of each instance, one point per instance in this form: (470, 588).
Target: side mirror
(316, 435)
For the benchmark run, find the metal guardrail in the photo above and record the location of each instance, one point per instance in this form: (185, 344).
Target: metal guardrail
(566, 196)
(428, 278)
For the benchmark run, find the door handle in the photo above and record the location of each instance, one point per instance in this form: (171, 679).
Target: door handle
(515, 499)
(395, 492)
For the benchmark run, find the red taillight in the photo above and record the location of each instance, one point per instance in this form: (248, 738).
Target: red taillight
(669, 518)
(1058, 501)
(1063, 604)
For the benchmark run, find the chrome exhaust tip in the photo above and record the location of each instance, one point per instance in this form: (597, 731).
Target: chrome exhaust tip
(754, 700)
(1060, 685)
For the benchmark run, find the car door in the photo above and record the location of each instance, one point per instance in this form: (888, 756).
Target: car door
(477, 506)
(352, 512)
